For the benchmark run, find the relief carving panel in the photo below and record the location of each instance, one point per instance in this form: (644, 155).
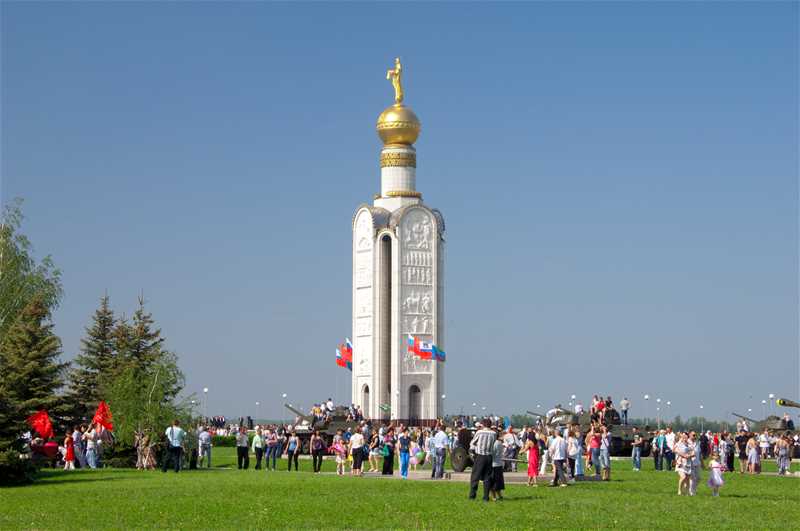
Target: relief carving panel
(417, 237)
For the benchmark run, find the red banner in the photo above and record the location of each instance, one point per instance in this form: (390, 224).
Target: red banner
(40, 421)
(103, 416)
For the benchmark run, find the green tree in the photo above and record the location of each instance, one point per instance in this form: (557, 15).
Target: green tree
(143, 399)
(21, 277)
(143, 341)
(144, 387)
(95, 364)
(30, 370)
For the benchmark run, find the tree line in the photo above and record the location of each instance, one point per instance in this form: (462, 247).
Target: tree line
(123, 361)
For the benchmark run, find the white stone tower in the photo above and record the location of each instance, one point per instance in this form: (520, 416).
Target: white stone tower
(398, 282)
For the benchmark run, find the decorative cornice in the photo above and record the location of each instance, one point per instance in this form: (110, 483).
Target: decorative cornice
(393, 158)
(403, 193)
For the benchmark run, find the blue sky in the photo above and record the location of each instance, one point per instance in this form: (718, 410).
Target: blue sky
(619, 182)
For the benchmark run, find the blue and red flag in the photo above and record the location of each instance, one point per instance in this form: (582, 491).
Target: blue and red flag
(424, 349)
(344, 355)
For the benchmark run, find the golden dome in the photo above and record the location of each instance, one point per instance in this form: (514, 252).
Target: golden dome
(398, 125)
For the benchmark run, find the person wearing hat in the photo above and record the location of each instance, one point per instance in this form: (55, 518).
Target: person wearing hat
(482, 446)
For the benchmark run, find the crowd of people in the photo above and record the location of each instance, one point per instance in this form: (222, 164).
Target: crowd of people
(749, 447)
(81, 447)
(324, 411)
(566, 453)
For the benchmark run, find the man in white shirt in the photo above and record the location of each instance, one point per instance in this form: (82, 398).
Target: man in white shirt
(578, 408)
(204, 442)
(763, 444)
(624, 406)
(440, 443)
(511, 447)
(482, 447)
(669, 453)
(558, 453)
(175, 436)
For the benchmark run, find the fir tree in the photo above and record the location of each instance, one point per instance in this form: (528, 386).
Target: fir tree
(95, 365)
(144, 340)
(122, 340)
(30, 370)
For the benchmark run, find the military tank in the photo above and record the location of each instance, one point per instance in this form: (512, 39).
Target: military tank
(621, 434)
(307, 425)
(772, 423)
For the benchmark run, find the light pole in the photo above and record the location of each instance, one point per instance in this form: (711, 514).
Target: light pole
(258, 410)
(764, 408)
(771, 400)
(443, 397)
(668, 407)
(283, 396)
(658, 415)
(702, 418)
(646, 408)
(205, 401)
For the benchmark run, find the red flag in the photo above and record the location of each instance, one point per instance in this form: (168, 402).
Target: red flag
(40, 421)
(103, 416)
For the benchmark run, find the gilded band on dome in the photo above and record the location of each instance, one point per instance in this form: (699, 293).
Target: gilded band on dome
(403, 193)
(393, 158)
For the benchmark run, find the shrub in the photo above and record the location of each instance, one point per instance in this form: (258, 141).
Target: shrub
(15, 470)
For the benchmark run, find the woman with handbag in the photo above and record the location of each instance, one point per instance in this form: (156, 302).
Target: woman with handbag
(387, 451)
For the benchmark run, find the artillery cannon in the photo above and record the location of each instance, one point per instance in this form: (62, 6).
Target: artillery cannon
(335, 421)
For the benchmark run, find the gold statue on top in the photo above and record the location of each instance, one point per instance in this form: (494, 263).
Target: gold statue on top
(395, 75)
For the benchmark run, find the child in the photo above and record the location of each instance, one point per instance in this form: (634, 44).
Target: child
(415, 459)
(497, 479)
(69, 458)
(715, 480)
(341, 457)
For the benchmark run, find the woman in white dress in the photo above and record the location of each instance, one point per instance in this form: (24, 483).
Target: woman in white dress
(684, 457)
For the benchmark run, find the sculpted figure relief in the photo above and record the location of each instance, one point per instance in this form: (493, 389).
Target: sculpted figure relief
(418, 235)
(426, 304)
(411, 304)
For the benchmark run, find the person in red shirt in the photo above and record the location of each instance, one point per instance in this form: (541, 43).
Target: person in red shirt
(594, 449)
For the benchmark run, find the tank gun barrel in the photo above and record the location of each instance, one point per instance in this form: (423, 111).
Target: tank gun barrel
(748, 419)
(785, 402)
(531, 413)
(297, 412)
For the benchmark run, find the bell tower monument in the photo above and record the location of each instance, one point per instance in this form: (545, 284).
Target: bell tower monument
(398, 280)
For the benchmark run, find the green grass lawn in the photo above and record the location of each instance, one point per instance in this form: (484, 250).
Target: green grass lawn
(229, 498)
